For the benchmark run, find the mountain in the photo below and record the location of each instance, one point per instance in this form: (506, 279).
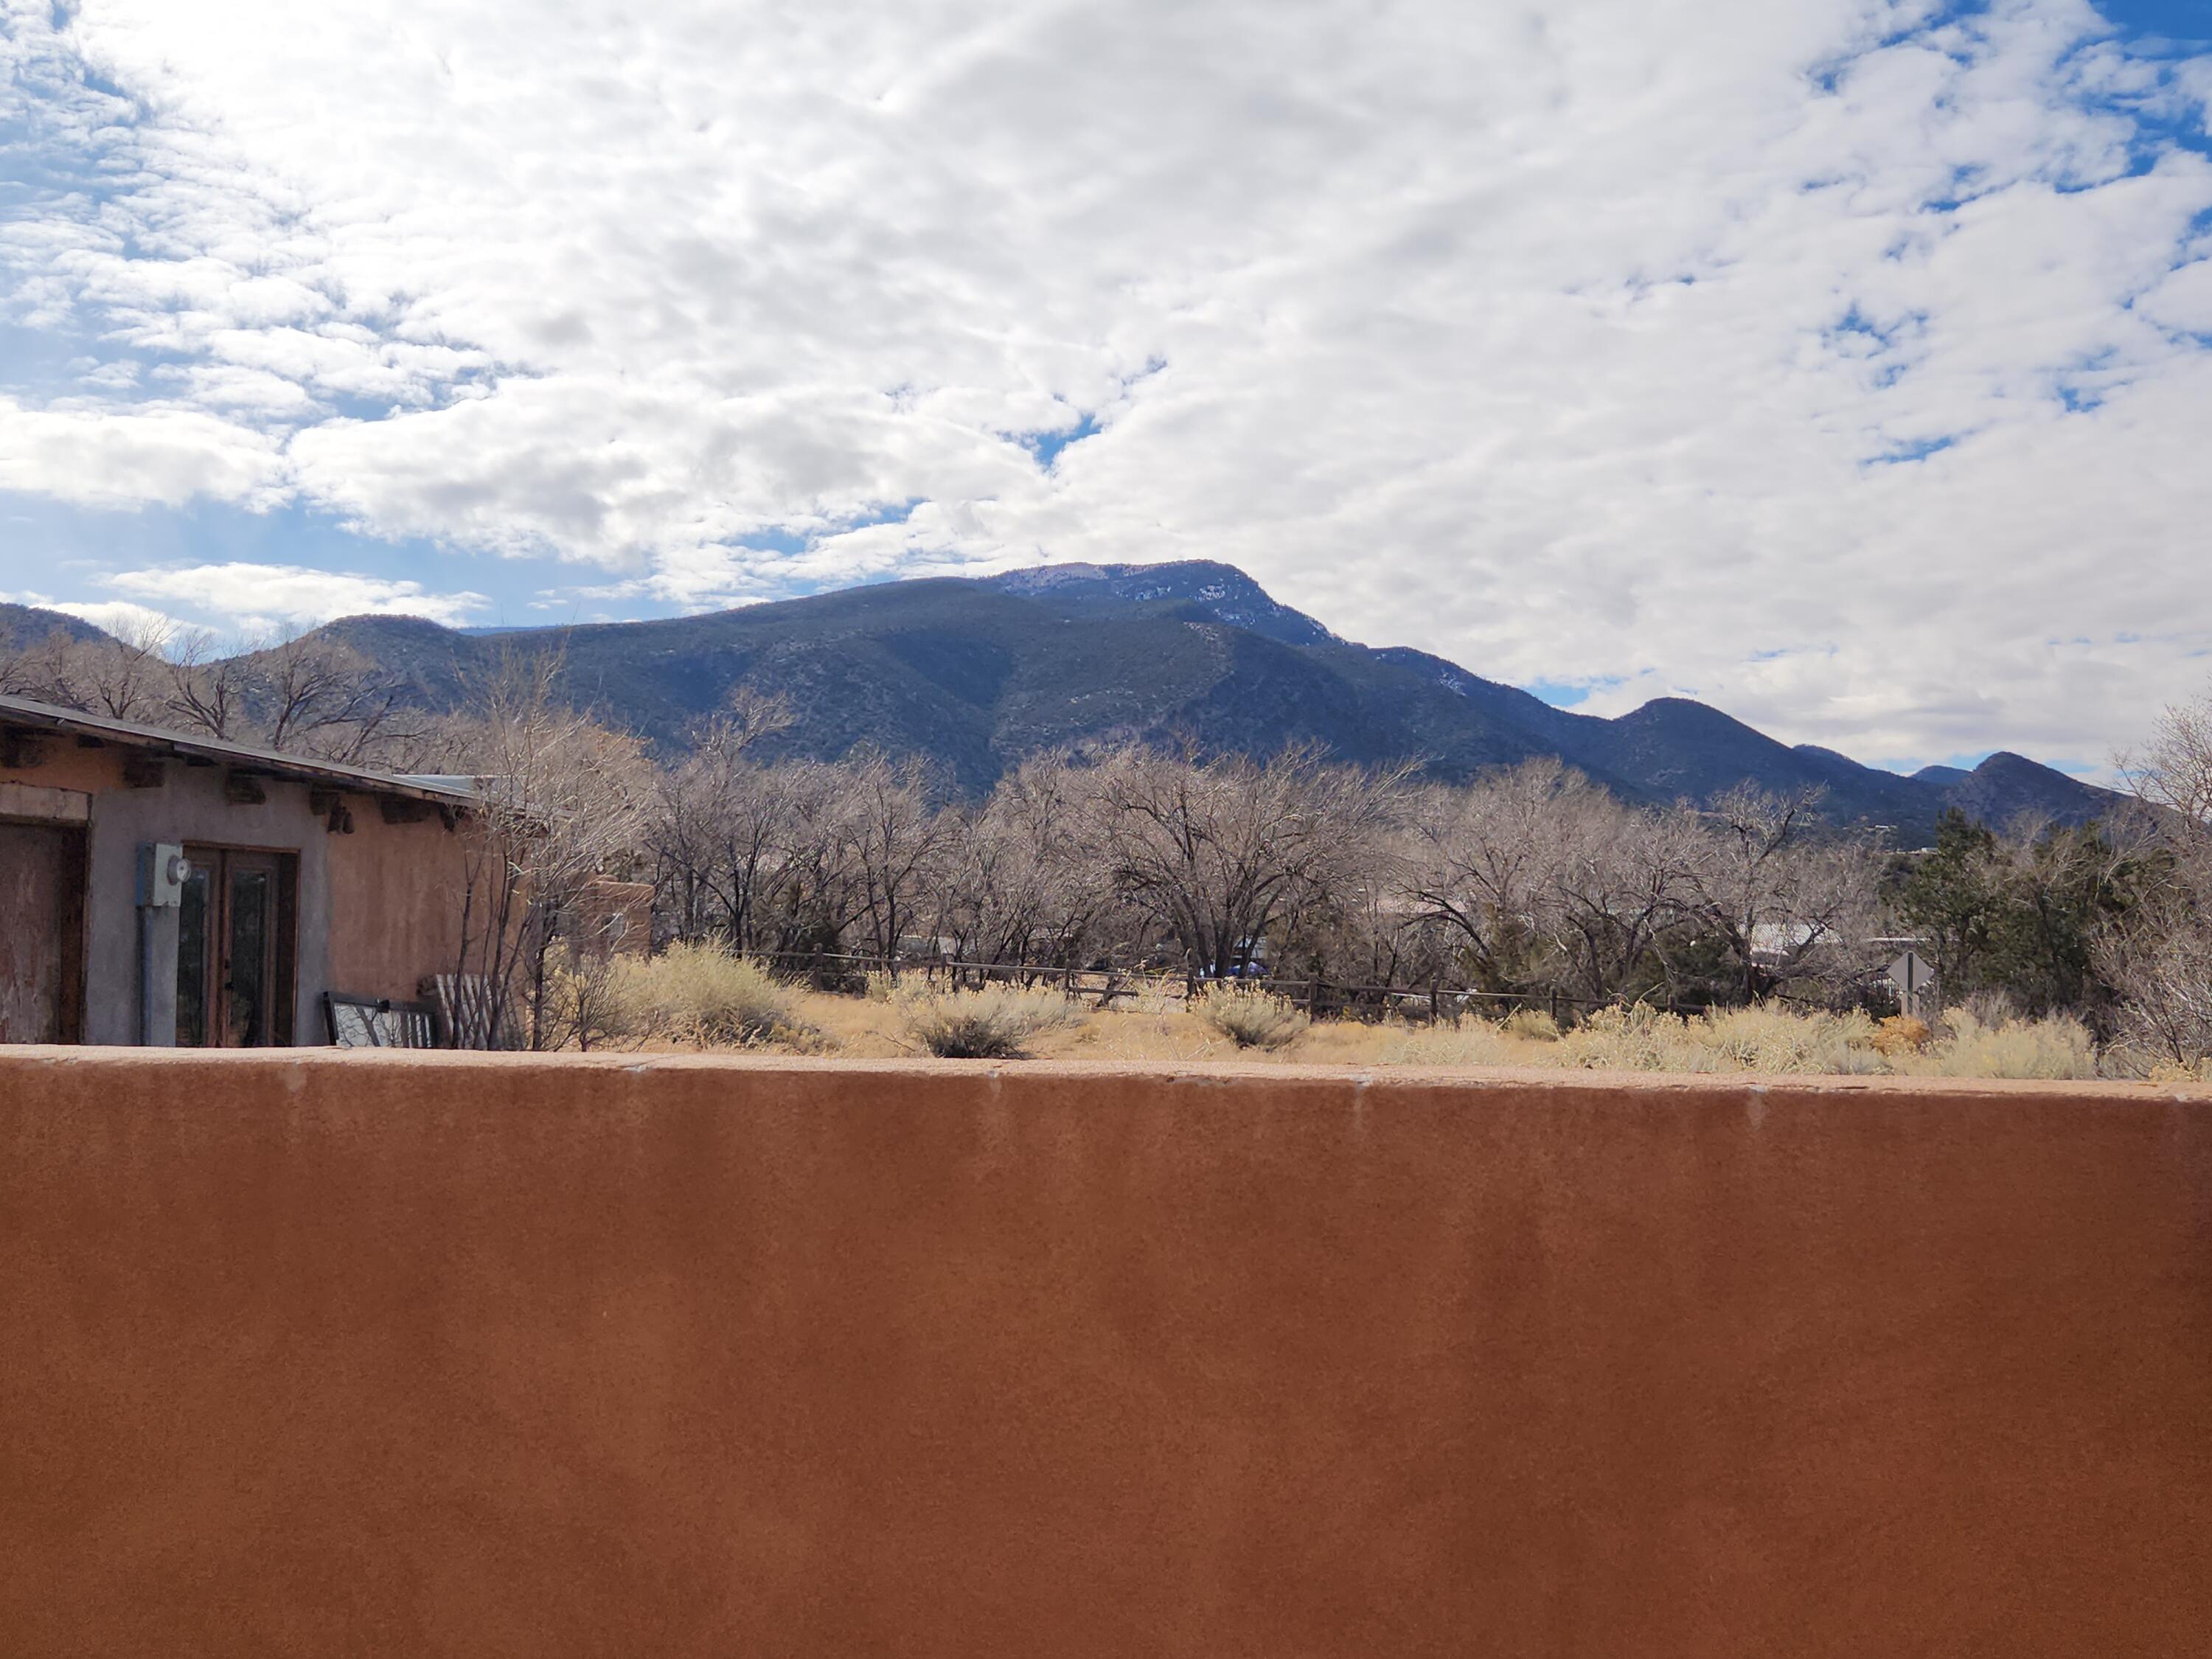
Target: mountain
(23, 626)
(979, 673)
(2006, 788)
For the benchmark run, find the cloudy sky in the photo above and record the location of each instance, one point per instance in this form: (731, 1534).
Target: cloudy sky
(1847, 364)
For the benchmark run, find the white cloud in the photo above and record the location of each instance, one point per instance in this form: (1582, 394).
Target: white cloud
(258, 597)
(109, 457)
(1841, 364)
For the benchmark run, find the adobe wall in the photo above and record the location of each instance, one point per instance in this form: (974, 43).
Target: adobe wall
(378, 908)
(191, 806)
(512, 1355)
(397, 891)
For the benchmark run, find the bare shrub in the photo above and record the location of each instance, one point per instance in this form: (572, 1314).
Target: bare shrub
(1773, 1038)
(1632, 1039)
(1250, 1017)
(2167, 1071)
(996, 1023)
(591, 1001)
(700, 993)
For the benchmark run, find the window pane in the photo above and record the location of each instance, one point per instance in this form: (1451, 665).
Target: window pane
(192, 961)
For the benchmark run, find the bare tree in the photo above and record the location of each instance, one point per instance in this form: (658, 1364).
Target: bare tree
(1785, 901)
(313, 695)
(561, 801)
(896, 836)
(1023, 877)
(2174, 773)
(1619, 877)
(303, 695)
(2161, 967)
(2160, 961)
(719, 823)
(819, 891)
(1219, 850)
(1485, 863)
(122, 675)
(208, 690)
(1369, 933)
(27, 664)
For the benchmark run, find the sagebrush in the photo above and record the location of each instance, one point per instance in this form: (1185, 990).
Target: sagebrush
(1250, 1017)
(698, 993)
(995, 1022)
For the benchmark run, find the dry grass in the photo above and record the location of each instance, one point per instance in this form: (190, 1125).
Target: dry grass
(2056, 1048)
(2156, 1068)
(1531, 1025)
(704, 999)
(1764, 1039)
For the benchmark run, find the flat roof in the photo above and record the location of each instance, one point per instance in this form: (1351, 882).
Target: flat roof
(21, 712)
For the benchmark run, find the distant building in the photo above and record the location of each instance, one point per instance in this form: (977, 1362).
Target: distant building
(1777, 942)
(161, 888)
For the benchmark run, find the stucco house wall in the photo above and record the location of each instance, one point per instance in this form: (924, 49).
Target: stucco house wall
(395, 900)
(378, 907)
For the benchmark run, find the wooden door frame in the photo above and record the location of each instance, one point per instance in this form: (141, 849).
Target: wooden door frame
(283, 862)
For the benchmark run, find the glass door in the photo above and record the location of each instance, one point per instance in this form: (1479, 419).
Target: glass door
(234, 950)
(195, 972)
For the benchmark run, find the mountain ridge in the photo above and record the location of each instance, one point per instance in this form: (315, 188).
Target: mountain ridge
(978, 672)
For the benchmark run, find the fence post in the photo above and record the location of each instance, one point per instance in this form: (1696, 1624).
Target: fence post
(1313, 997)
(1555, 1005)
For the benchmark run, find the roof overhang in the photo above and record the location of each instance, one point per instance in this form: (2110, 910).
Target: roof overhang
(22, 716)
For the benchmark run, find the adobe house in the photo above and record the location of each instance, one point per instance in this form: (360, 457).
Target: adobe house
(161, 888)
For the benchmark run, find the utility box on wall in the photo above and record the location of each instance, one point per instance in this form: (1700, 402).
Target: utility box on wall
(163, 870)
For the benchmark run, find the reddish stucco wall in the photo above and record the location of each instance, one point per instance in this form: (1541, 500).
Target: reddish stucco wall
(378, 909)
(490, 1355)
(397, 892)
(62, 765)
